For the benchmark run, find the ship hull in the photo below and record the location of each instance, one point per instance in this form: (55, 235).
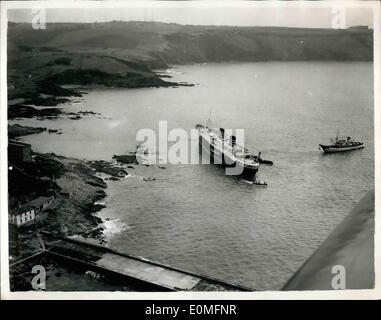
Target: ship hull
(333, 149)
(220, 158)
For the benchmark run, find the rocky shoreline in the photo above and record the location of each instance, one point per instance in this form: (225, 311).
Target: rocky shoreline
(21, 111)
(17, 130)
(77, 186)
(52, 79)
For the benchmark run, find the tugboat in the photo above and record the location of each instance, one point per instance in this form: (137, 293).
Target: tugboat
(225, 151)
(341, 145)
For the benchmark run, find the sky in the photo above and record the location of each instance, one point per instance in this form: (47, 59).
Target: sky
(203, 14)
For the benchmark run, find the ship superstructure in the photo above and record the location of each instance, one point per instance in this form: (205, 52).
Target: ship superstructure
(224, 150)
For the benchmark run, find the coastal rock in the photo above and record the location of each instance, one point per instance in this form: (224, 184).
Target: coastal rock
(97, 207)
(78, 115)
(108, 168)
(100, 194)
(88, 112)
(17, 130)
(49, 101)
(23, 111)
(75, 118)
(126, 158)
(96, 183)
(88, 174)
(149, 179)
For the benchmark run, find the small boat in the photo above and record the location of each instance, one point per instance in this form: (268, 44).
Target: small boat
(341, 145)
(259, 183)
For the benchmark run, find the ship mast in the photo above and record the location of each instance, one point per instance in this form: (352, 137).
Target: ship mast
(209, 122)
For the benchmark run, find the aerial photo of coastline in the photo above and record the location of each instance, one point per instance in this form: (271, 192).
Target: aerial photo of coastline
(85, 207)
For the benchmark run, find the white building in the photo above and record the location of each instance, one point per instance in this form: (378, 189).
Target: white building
(29, 211)
(22, 215)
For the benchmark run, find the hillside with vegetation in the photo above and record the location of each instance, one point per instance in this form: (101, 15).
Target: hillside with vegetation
(124, 54)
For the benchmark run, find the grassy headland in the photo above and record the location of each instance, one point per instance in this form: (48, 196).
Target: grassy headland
(124, 54)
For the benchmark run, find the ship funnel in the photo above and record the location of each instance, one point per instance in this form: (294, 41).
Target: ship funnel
(233, 140)
(222, 132)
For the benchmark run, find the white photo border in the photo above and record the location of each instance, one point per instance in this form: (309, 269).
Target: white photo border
(255, 295)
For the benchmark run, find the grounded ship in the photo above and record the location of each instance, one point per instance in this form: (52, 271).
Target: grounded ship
(341, 145)
(224, 150)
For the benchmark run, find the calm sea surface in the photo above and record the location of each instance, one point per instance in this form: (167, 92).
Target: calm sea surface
(196, 218)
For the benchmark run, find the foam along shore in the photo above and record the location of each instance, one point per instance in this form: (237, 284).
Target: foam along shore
(74, 184)
(350, 245)
(77, 189)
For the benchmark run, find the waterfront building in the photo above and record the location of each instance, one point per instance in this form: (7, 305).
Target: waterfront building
(19, 152)
(29, 212)
(22, 215)
(41, 203)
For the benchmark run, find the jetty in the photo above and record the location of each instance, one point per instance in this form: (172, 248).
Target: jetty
(141, 274)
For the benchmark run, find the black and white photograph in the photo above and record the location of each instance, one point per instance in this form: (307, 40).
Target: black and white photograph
(199, 147)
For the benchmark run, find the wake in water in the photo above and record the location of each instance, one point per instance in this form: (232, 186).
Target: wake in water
(255, 183)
